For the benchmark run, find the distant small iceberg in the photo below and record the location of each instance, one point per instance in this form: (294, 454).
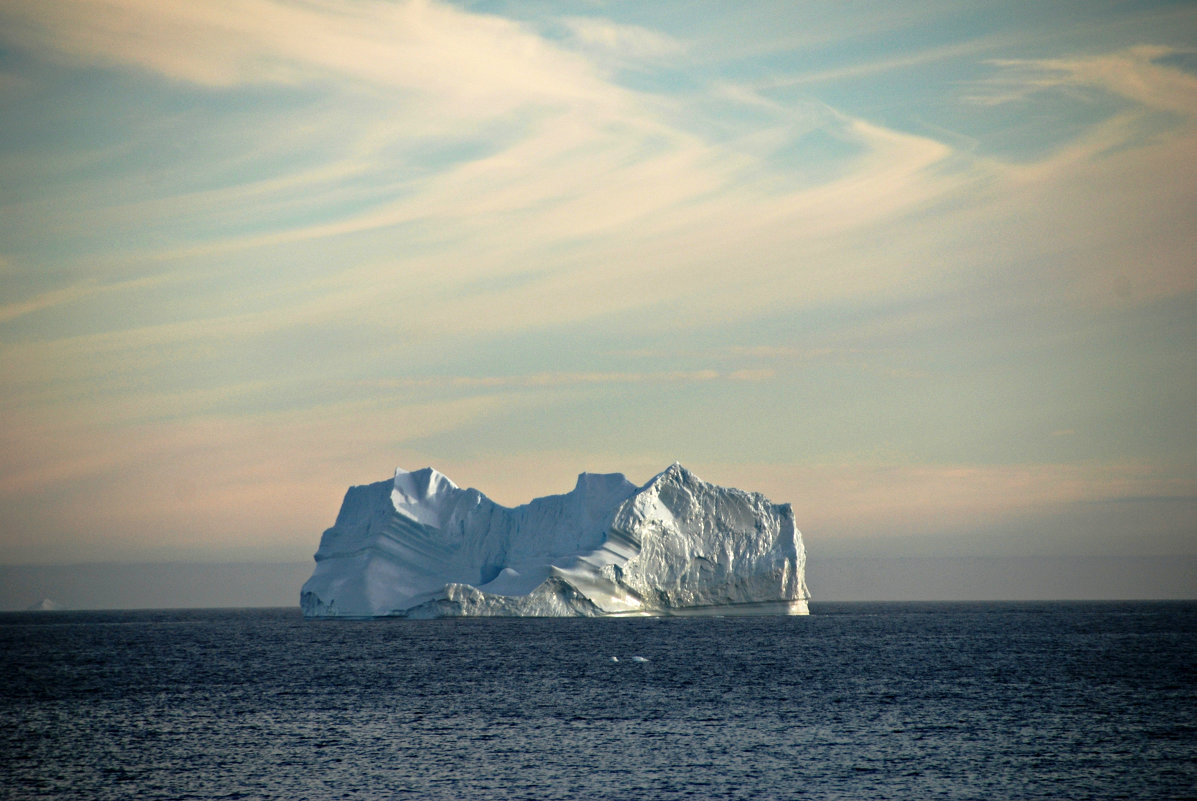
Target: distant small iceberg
(45, 605)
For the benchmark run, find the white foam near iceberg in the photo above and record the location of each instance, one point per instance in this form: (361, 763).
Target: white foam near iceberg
(420, 546)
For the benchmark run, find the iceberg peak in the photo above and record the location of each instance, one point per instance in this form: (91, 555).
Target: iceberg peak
(677, 473)
(422, 495)
(420, 546)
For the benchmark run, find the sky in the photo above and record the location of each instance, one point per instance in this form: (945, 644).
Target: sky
(924, 270)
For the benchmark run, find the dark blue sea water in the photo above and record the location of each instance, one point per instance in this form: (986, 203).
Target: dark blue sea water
(857, 701)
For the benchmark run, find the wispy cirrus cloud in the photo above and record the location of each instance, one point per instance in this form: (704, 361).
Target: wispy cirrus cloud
(620, 44)
(1136, 74)
(46, 300)
(560, 379)
(466, 64)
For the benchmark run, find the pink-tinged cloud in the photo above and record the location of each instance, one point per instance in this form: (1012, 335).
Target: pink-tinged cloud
(468, 64)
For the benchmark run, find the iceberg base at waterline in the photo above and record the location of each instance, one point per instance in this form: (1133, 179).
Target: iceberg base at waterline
(419, 546)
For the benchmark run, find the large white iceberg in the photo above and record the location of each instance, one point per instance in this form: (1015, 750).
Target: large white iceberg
(420, 546)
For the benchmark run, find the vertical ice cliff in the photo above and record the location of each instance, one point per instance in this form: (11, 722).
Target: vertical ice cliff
(420, 546)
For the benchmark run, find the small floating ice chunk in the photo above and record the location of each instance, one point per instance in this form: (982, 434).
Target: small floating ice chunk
(639, 659)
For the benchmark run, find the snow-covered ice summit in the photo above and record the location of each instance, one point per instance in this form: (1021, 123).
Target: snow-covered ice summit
(420, 546)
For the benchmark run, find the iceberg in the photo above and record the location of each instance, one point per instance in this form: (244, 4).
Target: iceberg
(419, 546)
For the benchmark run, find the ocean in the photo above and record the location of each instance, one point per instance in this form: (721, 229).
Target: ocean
(856, 701)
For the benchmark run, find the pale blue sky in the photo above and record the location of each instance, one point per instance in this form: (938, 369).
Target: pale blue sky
(924, 270)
